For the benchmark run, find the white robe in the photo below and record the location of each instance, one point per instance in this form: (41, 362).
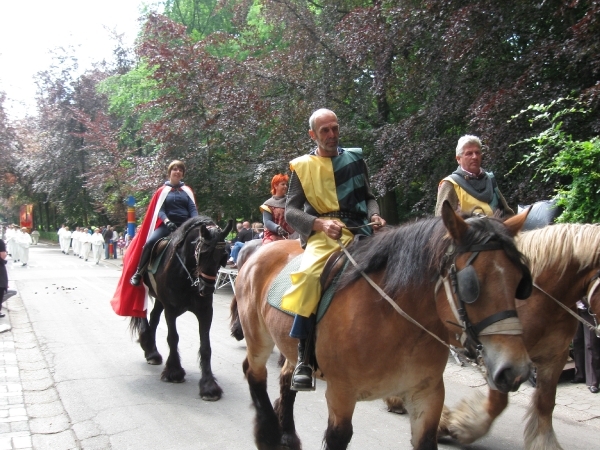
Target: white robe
(65, 240)
(86, 245)
(76, 242)
(24, 241)
(14, 246)
(10, 238)
(97, 245)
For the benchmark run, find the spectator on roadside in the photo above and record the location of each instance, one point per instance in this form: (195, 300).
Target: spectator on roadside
(245, 235)
(121, 244)
(3, 274)
(586, 352)
(239, 227)
(257, 230)
(35, 236)
(107, 235)
(114, 241)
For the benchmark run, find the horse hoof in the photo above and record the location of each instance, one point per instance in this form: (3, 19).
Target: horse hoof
(154, 361)
(210, 398)
(290, 441)
(167, 379)
(397, 410)
(173, 376)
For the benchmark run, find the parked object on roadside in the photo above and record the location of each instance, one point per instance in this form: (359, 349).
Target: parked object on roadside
(3, 275)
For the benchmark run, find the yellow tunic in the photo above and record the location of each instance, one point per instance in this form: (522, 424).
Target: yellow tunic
(467, 203)
(316, 175)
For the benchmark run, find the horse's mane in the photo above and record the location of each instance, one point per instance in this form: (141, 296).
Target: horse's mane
(558, 245)
(414, 253)
(180, 234)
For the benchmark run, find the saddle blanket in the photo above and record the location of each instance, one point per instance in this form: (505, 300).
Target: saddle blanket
(283, 282)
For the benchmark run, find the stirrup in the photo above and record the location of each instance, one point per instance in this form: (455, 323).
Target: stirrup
(303, 378)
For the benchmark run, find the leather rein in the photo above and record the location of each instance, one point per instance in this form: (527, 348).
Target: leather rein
(197, 251)
(505, 322)
(593, 285)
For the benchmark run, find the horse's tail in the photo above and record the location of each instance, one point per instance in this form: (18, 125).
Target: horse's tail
(235, 325)
(136, 327)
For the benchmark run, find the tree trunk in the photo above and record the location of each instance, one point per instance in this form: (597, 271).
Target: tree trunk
(389, 208)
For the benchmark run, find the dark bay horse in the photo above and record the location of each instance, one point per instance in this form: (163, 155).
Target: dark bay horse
(185, 281)
(565, 264)
(364, 349)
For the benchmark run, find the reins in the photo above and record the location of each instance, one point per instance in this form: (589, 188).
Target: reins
(194, 282)
(590, 292)
(387, 297)
(504, 322)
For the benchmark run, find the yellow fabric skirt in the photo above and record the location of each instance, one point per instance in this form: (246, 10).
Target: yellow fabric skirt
(303, 296)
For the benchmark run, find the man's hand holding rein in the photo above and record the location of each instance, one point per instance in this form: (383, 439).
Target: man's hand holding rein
(331, 228)
(379, 222)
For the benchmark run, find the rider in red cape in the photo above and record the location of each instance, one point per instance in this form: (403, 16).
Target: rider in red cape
(130, 299)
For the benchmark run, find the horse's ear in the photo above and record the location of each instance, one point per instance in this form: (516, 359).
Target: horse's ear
(515, 223)
(204, 232)
(227, 229)
(456, 226)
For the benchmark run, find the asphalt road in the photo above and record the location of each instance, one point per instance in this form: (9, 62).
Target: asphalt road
(107, 397)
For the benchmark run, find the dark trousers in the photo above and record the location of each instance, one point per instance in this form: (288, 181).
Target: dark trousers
(586, 351)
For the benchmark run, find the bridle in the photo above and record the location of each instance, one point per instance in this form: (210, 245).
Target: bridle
(203, 279)
(594, 284)
(505, 322)
(462, 288)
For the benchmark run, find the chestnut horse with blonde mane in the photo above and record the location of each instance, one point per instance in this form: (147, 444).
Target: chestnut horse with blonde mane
(565, 263)
(365, 350)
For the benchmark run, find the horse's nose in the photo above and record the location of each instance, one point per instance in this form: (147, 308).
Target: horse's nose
(508, 377)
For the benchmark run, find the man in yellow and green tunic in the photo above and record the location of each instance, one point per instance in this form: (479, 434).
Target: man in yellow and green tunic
(470, 188)
(328, 199)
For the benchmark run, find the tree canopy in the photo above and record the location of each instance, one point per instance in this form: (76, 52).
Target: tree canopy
(228, 86)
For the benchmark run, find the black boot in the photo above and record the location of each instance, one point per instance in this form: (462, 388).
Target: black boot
(139, 272)
(302, 378)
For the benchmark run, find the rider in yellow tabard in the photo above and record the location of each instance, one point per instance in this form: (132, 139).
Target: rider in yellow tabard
(328, 194)
(470, 188)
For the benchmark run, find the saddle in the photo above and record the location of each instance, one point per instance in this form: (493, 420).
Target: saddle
(331, 273)
(158, 251)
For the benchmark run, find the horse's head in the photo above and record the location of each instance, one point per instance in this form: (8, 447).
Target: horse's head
(482, 273)
(209, 254)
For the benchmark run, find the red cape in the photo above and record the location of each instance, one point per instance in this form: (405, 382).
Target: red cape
(130, 300)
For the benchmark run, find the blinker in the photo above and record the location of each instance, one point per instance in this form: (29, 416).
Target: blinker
(525, 285)
(468, 284)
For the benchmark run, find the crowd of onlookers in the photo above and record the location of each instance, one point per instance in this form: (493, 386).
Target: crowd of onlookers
(245, 233)
(89, 243)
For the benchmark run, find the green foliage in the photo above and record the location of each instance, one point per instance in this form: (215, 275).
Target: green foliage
(573, 165)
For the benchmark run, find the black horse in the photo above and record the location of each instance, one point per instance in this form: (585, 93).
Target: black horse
(185, 281)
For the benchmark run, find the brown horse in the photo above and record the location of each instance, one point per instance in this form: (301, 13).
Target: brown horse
(364, 349)
(565, 262)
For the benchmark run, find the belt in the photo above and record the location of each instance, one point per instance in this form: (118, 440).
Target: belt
(344, 215)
